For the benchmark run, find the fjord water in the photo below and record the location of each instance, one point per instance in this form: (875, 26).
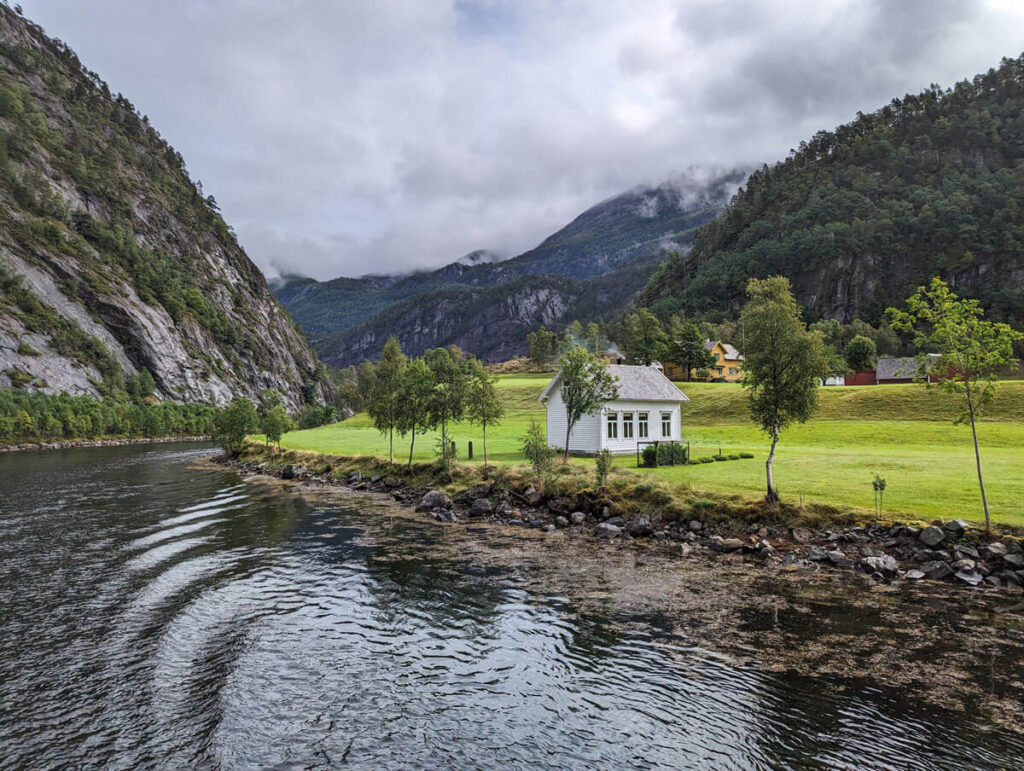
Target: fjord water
(156, 613)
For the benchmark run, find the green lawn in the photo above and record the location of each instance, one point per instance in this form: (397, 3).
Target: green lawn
(904, 433)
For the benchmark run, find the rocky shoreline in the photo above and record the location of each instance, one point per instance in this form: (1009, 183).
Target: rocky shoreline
(68, 444)
(949, 551)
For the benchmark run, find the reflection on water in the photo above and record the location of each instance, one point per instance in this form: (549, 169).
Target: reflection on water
(157, 614)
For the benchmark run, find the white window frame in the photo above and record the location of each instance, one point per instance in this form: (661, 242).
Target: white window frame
(666, 425)
(642, 427)
(612, 423)
(627, 425)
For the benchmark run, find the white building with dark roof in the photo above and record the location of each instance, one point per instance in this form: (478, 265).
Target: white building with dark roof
(647, 410)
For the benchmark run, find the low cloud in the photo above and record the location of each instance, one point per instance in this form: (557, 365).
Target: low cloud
(353, 138)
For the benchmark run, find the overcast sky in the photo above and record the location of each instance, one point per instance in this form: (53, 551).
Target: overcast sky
(344, 138)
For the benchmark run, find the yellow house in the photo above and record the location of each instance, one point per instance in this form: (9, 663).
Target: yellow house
(728, 364)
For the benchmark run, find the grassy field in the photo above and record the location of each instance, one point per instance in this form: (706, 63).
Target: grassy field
(902, 432)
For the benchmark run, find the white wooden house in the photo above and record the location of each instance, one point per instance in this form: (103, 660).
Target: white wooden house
(648, 409)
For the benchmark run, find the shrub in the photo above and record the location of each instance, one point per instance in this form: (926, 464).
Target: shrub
(734, 457)
(664, 455)
(746, 455)
(602, 466)
(718, 457)
(706, 460)
(534, 446)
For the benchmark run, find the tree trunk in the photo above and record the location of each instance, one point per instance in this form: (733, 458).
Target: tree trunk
(412, 444)
(568, 430)
(483, 426)
(772, 497)
(977, 460)
(391, 446)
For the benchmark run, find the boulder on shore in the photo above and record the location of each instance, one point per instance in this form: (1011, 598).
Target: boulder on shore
(932, 536)
(481, 508)
(433, 500)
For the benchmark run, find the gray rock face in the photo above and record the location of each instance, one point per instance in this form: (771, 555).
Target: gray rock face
(481, 508)
(914, 574)
(802, 534)
(561, 521)
(932, 536)
(955, 526)
(640, 527)
(577, 517)
(936, 569)
(730, 544)
(293, 472)
(970, 577)
(605, 530)
(885, 564)
(1014, 560)
(252, 346)
(433, 500)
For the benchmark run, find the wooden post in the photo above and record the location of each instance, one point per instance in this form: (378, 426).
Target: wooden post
(470, 451)
(453, 449)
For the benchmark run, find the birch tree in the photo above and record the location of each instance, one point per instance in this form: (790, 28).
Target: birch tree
(783, 363)
(972, 353)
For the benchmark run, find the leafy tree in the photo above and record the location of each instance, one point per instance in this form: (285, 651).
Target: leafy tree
(385, 397)
(238, 420)
(587, 386)
(836, 365)
(687, 350)
(783, 363)
(268, 399)
(141, 386)
(275, 423)
(415, 403)
(593, 337)
(483, 405)
(645, 339)
(861, 353)
(448, 400)
(972, 351)
(543, 345)
(534, 446)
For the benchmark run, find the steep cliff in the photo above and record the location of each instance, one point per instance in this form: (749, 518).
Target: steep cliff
(111, 259)
(930, 184)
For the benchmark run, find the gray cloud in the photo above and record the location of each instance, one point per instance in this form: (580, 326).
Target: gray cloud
(352, 137)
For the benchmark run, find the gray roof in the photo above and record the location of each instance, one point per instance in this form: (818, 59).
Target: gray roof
(642, 384)
(731, 354)
(900, 368)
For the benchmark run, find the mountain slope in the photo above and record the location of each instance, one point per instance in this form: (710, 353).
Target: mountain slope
(111, 259)
(931, 184)
(489, 321)
(350, 318)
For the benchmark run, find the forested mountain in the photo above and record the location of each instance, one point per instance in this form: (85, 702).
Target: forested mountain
(111, 259)
(600, 260)
(931, 184)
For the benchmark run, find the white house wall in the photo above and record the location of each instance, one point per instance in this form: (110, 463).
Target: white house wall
(586, 433)
(622, 446)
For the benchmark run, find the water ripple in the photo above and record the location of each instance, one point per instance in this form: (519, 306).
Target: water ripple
(159, 616)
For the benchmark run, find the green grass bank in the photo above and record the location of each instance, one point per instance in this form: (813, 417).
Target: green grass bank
(902, 432)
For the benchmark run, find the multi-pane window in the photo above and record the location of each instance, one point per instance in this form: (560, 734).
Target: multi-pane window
(613, 425)
(666, 424)
(627, 425)
(641, 425)
(734, 371)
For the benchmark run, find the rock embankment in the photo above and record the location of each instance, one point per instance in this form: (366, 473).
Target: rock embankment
(952, 551)
(68, 444)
